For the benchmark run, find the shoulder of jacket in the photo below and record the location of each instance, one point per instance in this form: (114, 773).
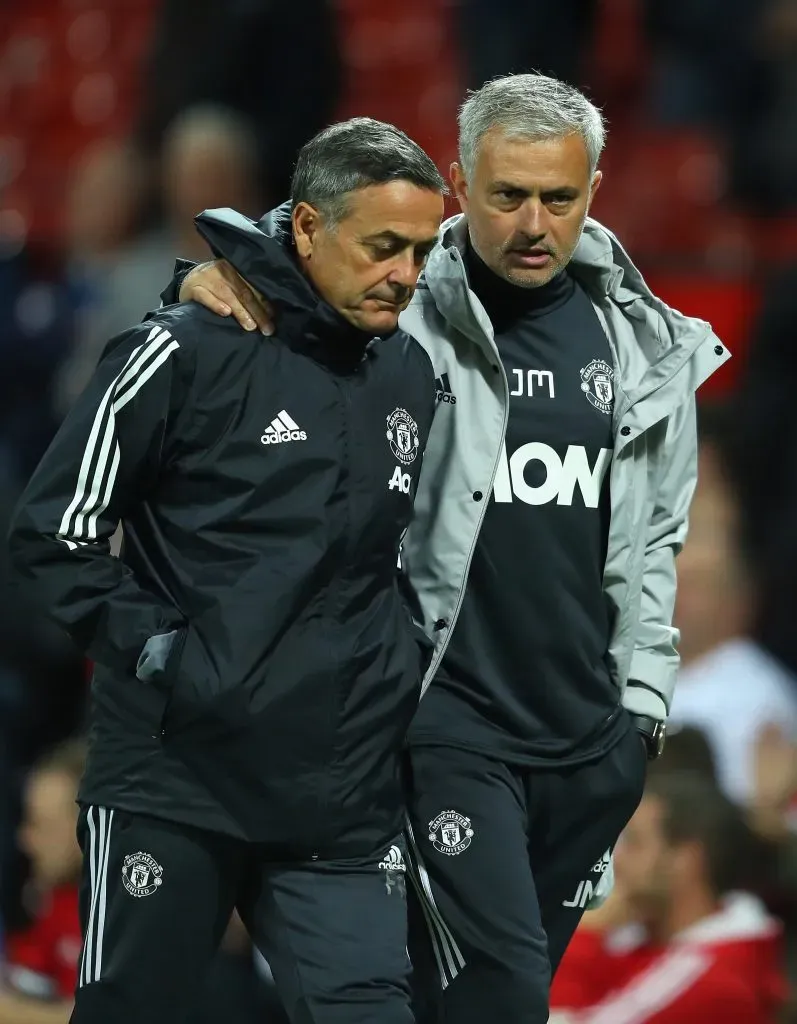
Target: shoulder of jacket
(410, 347)
(198, 331)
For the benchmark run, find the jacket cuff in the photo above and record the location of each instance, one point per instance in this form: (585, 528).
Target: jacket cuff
(171, 293)
(640, 699)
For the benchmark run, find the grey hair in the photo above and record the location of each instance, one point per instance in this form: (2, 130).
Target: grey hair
(352, 155)
(529, 106)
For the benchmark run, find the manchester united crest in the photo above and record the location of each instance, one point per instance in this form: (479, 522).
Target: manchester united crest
(450, 833)
(402, 434)
(597, 383)
(142, 875)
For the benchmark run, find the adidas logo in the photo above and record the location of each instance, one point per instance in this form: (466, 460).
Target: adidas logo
(283, 428)
(603, 864)
(444, 390)
(394, 860)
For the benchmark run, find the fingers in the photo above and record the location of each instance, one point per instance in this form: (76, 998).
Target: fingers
(225, 301)
(200, 294)
(263, 314)
(220, 288)
(239, 303)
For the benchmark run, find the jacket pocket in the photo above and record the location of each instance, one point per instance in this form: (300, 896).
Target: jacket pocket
(199, 694)
(156, 671)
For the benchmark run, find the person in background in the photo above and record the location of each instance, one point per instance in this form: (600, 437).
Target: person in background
(729, 686)
(41, 967)
(245, 55)
(678, 941)
(209, 160)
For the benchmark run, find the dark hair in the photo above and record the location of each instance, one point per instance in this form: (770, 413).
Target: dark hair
(355, 154)
(696, 811)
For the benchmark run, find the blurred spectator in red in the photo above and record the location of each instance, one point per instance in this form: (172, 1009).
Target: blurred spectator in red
(276, 64)
(507, 37)
(209, 160)
(677, 942)
(729, 686)
(42, 961)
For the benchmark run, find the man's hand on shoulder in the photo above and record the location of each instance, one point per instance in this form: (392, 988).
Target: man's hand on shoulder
(219, 287)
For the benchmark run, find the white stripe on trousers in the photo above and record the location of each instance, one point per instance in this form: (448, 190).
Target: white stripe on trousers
(102, 442)
(99, 821)
(450, 960)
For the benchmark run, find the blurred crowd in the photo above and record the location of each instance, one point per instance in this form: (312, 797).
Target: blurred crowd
(122, 119)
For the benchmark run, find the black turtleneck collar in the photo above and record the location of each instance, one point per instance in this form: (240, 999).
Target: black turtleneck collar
(265, 256)
(507, 303)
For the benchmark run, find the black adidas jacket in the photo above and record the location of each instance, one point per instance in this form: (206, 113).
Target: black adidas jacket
(264, 486)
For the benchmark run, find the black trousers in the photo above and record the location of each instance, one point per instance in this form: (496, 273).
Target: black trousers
(503, 861)
(156, 898)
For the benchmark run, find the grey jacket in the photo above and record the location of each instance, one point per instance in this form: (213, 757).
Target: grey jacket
(660, 359)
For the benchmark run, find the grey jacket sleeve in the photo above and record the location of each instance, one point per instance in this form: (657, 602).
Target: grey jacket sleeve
(654, 662)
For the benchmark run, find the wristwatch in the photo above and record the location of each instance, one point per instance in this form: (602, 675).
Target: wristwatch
(653, 731)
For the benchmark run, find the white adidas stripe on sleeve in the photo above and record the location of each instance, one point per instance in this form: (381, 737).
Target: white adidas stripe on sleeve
(101, 457)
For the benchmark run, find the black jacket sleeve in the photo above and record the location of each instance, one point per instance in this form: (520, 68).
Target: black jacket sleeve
(171, 293)
(105, 458)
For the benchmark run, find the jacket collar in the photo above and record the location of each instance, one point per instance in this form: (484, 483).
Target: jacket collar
(609, 277)
(599, 262)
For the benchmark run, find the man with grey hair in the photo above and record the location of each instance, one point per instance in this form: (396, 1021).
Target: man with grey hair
(554, 500)
(257, 664)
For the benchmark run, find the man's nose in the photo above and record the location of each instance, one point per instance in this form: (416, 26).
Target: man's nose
(533, 221)
(404, 272)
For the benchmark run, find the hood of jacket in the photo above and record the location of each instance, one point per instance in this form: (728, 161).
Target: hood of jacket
(263, 254)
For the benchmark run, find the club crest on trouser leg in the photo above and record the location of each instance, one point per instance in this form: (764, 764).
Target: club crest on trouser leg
(142, 875)
(450, 833)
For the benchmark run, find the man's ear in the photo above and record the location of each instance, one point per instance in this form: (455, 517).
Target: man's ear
(460, 185)
(597, 178)
(306, 222)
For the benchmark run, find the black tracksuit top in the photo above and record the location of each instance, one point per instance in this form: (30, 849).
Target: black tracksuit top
(264, 486)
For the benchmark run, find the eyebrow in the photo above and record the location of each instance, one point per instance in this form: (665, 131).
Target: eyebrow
(393, 236)
(508, 186)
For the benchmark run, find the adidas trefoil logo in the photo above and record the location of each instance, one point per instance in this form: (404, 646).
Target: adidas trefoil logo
(443, 390)
(283, 428)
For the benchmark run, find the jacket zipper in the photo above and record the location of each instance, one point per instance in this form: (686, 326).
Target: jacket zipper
(324, 795)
